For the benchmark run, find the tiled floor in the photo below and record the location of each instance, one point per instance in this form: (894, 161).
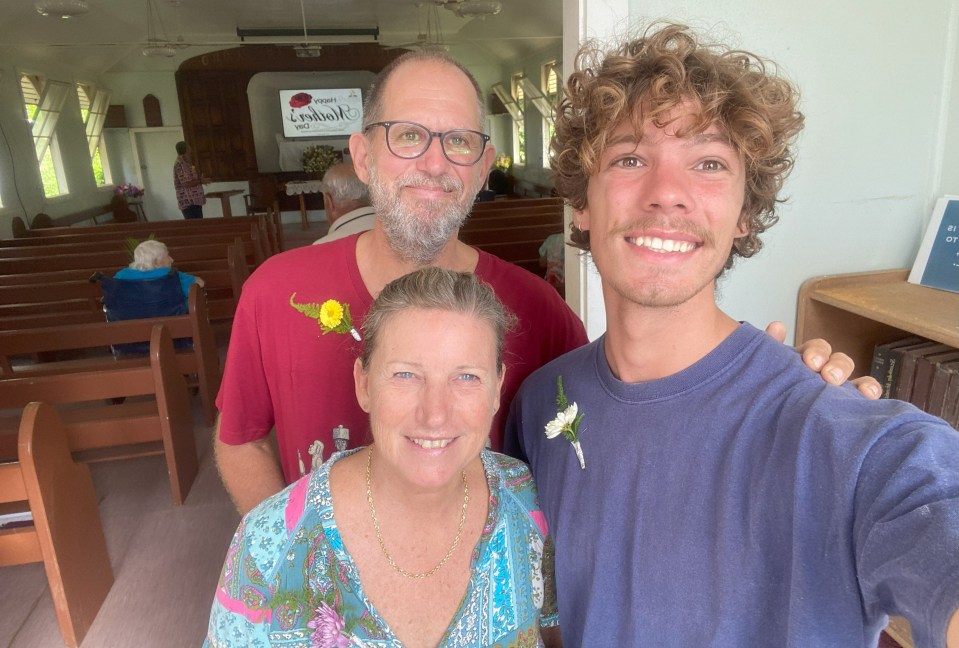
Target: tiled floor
(165, 559)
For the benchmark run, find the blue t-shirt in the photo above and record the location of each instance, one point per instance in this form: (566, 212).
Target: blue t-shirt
(129, 274)
(741, 502)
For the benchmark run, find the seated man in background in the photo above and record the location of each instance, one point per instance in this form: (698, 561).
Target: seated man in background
(703, 488)
(151, 260)
(346, 200)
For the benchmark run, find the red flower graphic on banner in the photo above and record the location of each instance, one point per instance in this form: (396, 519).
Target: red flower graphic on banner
(300, 99)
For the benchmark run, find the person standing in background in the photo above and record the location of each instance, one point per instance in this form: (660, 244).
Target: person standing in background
(188, 184)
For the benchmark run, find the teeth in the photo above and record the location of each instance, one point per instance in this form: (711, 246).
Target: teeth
(430, 444)
(662, 245)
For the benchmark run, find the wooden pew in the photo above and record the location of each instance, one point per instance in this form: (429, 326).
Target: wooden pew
(196, 226)
(42, 287)
(263, 233)
(499, 222)
(202, 267)
(514, 230)
(44, 293)
(72, 334)
(116, 259)
(162, 425)
(525, 254)
(519, 203)
(480, 237)
(95, 245)
(117, 211)
(66, 534)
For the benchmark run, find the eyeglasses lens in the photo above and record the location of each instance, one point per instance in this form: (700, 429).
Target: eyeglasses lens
(408, 140)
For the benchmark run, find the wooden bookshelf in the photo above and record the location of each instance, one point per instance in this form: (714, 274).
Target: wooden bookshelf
(855, 312)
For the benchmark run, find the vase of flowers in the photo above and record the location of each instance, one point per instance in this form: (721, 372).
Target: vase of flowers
(131, 192)
(317, 159)
(503, 162)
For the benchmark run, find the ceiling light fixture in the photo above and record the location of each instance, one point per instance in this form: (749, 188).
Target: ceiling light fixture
(305, 49)
(158, 44)
(159, 50)
(474, 8)
(61, 8)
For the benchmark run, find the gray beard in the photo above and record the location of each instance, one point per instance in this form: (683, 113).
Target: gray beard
(417, 233)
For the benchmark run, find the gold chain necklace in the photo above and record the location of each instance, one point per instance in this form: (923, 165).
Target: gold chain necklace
(379, 536)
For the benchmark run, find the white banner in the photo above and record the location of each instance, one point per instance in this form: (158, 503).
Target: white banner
(319, 113)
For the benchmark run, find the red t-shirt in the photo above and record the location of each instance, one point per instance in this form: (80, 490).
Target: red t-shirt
(282, 370)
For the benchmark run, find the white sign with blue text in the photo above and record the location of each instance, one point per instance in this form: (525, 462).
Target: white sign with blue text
(321, 113)
(937, 264)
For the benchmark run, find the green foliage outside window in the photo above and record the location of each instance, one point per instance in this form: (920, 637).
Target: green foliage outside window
(98, 169)
(51, 187)
(520, 143)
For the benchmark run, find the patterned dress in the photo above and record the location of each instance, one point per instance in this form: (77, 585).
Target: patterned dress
(289, 581)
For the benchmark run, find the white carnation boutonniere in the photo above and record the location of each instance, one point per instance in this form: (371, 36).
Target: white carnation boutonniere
(568, 418)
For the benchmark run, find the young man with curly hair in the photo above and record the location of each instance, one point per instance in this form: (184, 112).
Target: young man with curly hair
(707, 490)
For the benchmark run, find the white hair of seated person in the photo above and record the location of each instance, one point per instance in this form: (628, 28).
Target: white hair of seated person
(150, 255)
(341, 183)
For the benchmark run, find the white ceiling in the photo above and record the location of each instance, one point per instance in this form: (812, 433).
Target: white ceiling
(110, 37)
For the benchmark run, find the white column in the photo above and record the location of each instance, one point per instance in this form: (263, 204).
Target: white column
(582, 20)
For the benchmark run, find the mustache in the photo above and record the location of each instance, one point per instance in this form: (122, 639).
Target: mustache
(666, 224)
(444, 182)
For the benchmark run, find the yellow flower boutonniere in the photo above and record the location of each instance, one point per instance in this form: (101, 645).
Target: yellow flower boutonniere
(566, 422)
(331, 315)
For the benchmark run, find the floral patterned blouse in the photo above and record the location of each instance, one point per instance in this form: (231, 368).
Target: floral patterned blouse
(289, 581)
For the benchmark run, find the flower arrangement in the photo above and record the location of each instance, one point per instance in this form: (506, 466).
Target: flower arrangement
(566, 422)
(503, 162)
(319, 158)
(129, 190)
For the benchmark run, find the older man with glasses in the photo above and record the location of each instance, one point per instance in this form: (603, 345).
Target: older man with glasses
(290, 361)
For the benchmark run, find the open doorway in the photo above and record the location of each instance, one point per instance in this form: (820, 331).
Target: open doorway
(154, 152)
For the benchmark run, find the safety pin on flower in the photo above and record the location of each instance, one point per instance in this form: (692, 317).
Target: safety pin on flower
(566, 422)
(331, 315)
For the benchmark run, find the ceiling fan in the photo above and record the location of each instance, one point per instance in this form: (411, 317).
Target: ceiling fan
(430, 38)
(471, 8)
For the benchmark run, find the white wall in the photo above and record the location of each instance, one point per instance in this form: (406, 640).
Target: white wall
(21, 188)
(879, 90)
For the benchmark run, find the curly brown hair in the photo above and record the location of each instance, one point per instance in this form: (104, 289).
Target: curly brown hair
(644, 79)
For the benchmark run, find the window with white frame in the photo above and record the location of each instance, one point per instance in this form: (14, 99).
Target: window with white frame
(93, 111)
(42, 101)
(550, 87)
(519, 125)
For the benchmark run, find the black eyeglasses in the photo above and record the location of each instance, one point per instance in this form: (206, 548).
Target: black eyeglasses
(409, 140)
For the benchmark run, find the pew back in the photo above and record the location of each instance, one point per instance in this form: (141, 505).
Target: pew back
(66, 533)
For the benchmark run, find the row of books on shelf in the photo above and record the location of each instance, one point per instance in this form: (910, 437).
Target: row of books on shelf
(922, 372)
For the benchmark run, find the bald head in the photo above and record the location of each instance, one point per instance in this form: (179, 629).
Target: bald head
(375, 98)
